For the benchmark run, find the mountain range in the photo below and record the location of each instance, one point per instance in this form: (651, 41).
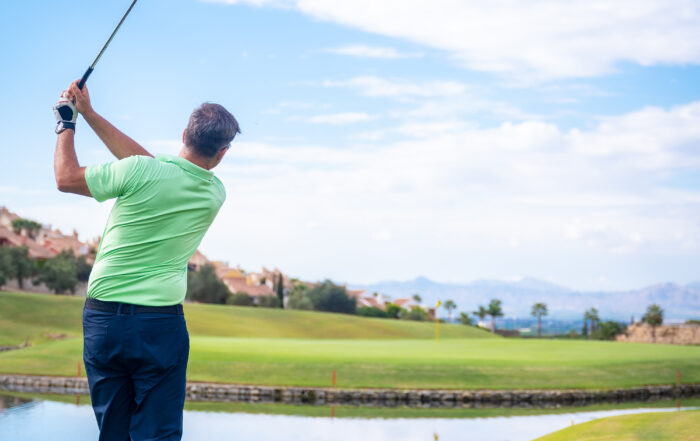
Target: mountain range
(678, 301)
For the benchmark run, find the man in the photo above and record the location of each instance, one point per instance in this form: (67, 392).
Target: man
(136, 343)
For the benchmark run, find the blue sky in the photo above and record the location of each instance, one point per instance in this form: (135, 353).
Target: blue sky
(391, 139)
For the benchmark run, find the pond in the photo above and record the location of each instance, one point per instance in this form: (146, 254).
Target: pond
(66, 418)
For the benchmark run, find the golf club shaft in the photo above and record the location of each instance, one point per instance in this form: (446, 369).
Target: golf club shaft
(89, 70)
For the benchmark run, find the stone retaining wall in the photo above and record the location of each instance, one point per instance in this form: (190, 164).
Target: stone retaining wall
(374, 397)
(669, 334)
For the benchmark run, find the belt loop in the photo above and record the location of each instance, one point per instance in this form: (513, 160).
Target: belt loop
(119, 308)
(131, 307)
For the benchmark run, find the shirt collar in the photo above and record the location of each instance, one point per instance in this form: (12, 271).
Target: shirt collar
(187, 166)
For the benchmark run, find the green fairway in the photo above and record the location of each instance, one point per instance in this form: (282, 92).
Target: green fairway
(661, 426)
(243, 345)
(33, 316)
(453, 363)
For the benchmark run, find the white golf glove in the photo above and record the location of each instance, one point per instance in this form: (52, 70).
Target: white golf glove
(66, 114)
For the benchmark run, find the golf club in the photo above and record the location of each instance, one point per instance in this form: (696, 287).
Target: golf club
(87, 73)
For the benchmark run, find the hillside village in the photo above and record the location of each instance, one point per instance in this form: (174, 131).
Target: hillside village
(44, 242)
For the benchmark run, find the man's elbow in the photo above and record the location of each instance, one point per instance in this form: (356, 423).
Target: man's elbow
(62, 185)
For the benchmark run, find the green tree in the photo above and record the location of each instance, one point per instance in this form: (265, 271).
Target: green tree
(591, 316)
(394, 311)
(203, 286)
(298, 296)
(481, 313)
(494, 310)
(60, 274)
(5, 271)
(416, 313)
(279, 290)
(27, 225)
(465, 319)
(539, 310)
(83, 269)
(449, 305)
(20, 265)
(371, 311)
(608, 330)
(268, 301)
(654, 317)
(417, 298)
(240, 299)
(330, 297)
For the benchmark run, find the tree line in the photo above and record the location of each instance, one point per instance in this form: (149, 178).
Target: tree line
(61, 274)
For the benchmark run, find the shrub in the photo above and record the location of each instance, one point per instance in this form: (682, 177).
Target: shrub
(240, 299)
(394, 311)
(608, 330)
(330, 297)
(371, 311)
(60, 274)
(269, 301)
(203, 286)
(416, 313)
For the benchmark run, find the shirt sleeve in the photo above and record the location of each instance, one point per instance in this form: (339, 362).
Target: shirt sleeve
(113, 179)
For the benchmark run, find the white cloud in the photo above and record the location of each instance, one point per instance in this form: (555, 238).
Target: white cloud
(341, 118)
(539, 39)
(528, 193)
(399, 88)
(359, 50)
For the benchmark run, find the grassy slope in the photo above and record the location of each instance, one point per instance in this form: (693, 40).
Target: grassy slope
(32, 316)
(662, 426)
(363, 361)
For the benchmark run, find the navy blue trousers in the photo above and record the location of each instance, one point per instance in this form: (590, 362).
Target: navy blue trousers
(135, 364)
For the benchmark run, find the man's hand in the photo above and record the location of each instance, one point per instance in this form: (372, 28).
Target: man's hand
(81, 98)
(65, 112)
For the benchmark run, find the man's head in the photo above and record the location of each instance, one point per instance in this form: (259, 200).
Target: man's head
(209, 133)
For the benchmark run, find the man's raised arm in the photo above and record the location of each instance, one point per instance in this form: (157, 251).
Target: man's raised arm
(117, 142)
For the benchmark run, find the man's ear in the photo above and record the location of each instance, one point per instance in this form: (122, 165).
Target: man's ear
(220, 154)
(183, 135)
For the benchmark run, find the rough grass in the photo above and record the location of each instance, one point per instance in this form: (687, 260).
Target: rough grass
(662, 426)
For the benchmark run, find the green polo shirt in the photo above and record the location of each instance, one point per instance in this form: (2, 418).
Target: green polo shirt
(164, 206)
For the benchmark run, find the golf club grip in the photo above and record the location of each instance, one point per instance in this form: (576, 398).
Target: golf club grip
(85, 77)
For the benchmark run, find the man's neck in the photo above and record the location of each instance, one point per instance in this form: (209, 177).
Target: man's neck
(195, 159)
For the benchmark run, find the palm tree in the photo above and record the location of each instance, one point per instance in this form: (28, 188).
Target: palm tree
(539, 310)
(481, 313)
(592, 315)
(465, 319)
(417, 298)
(449, 306)
(654, 317)
(494, 310)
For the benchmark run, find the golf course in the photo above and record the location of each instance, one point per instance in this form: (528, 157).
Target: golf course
(282, 347)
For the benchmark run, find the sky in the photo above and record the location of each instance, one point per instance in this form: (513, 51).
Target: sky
(386, 139)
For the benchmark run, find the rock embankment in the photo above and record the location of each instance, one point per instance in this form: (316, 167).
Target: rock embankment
(669, 334)
(375, 397)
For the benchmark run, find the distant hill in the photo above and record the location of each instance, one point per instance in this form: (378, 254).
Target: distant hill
(680, 302)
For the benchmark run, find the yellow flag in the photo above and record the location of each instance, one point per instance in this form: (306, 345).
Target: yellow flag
(438, 304)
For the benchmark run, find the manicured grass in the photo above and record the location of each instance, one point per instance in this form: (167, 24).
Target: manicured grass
(453, 363)
(662, 426)
(276, 347)
(32, 316)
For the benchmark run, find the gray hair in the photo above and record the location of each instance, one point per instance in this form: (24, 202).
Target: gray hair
(211, 128)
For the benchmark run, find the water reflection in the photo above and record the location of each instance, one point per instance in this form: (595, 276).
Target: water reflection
(28, 419)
